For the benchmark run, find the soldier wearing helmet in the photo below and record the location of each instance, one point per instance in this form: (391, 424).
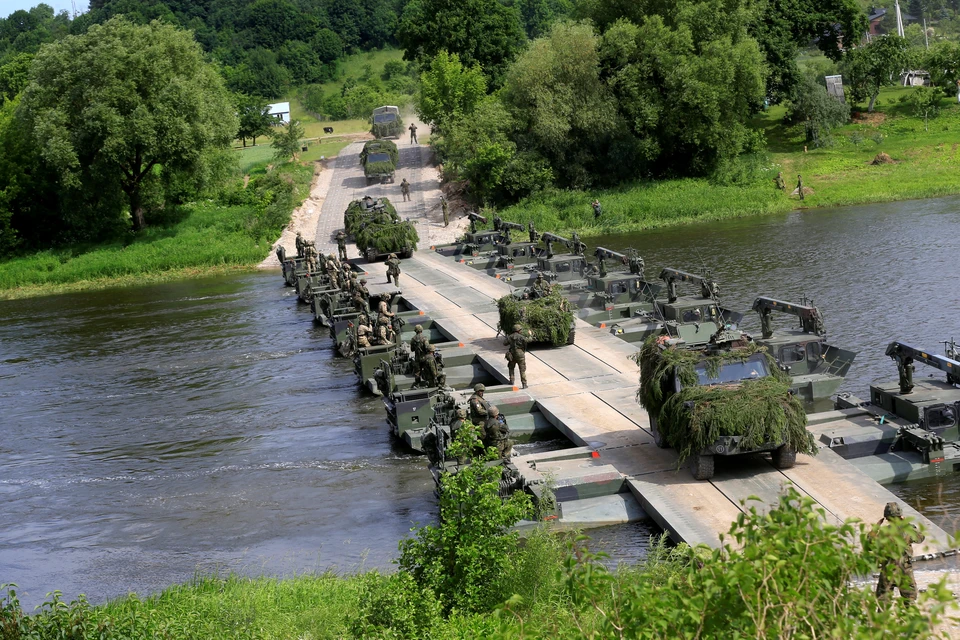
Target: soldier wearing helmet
(897, 569)
(429, 369)
(393, 269)
(460, 414)
(299, 245)
(479, 408)
(516, 356)
(496, 433)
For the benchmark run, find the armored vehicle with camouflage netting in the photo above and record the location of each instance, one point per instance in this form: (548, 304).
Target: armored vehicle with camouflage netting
(724, 398)
(368, 210)
(377, 229)
(386, 122)
(379, 159)
(546, 315)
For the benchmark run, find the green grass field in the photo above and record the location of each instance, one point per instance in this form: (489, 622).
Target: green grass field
(927, 164)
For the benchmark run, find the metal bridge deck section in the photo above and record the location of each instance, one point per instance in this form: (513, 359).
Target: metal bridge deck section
(587, 391)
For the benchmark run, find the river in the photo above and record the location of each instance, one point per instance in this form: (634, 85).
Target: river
(150, 433)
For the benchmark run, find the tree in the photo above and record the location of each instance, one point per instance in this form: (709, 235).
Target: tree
(448, 90)
(260, 74)
(122, 101)
(328, 45)
(255, 118)
(14, 75)
(480, 32)
(273, 22)
(874, 65)
(301, 61)
(286, 142)
(818, 111)
(925, 103)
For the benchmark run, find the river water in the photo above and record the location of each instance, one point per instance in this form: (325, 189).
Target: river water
(150, 433)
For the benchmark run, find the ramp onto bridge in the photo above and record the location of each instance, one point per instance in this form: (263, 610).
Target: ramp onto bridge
(587, 391)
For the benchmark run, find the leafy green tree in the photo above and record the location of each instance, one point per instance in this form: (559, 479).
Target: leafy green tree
(875, 65)
(255, 118)
(328, 45)
(942, 60)
(270, 23)
(925, 103)
(448, 90)
(480, 32)
(301, 61)
(122, 101)
(464, 559)
(817, 111)
(14, 75)
(260, 74)
(286, 142)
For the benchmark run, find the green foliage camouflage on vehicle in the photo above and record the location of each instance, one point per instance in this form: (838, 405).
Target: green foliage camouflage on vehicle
(357, 215)
(762, 411)
(548, 317)
(392, 237)
(379, 146)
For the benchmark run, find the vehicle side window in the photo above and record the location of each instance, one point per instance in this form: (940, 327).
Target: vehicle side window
(813, 353)
(563, 267)
(617, 287)
(692, 315)
(792, 353)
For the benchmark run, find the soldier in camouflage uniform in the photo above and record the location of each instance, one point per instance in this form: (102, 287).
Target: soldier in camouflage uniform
(781, 185)
(393, 269)
(540, 286)
(364, 331)
(898, 572)
(384, 315)
(342, 245)
(516, 344)
(299, 245)
(418, 347)
(385, 333)
(361, 297)
(429, 370)
(459, 416)
(496, 433)
(405, 189)
(532, 231)
(478, 406)
(446, 211)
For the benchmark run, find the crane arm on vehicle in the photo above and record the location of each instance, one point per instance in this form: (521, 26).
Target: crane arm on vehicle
(811, 320)
(904, 355)
(708, 287)
(474, 219)
(574, 245)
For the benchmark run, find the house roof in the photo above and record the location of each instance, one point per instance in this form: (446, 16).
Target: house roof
(279, 107)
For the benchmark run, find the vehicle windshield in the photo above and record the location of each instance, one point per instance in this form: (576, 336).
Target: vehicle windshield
(384, 118)
(378, 157)
(733, 372)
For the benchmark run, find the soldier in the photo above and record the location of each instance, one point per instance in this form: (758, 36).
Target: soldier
(516, 344)
(342, 245)
(800, 186)
(364, 331)
(384, 315)
(385, 332)
(446, 212)
(405, 189)
(429, 370)
(478, 406)
(781, 185)
(299, 245)
(597, 209)
(361, 297)
(413, 133)
(418, 347)
(578, 247)
(898, 572)
(496, 433)
(532, 230)
(540, 286)
(393, 269)
(459, 416)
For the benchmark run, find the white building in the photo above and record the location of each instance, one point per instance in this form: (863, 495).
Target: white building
(280, 111)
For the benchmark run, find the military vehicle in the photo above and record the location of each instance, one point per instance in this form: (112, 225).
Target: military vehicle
(725, 398)
(377, 229)
(289, 265)
(908, 429)
(816, 368)
(506, 253)
(547, 316)
(694, 319)
(460, 368)
(379, 159)
(386, 122)
(474, 241)
(368, 210)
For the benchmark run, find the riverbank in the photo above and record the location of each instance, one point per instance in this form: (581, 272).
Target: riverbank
(924, 163)
(231, 232)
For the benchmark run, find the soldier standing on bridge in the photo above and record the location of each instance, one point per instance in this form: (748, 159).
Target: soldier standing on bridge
(517, 353)
(897, 571)
(413, 133)
(342, 244)
(361, 297)
(393, 269)
(405, 189)
(446, 212)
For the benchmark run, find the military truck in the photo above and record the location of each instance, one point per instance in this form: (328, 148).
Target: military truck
(379, 159)
(368, 210)
(386, 122)
(377, 229)
(547, 316)
(816, 368)
(725, 398)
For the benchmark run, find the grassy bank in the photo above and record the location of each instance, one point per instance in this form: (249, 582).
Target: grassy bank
(233, 231)
(927, 164)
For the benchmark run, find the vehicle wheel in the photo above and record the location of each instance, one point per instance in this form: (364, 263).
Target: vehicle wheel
(784, 457)
(371, 255)
(701, 467)
(659, 440)
(572, 336)
(407, 254)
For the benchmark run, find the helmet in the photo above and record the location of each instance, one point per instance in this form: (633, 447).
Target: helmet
(299, 234)
(363, 281)
(517, 327)
(461, 412)
(477, 388)
(418, 328)
(494, 412)
(393, 255)
(892, 510)
(430, 347)
(331, 257)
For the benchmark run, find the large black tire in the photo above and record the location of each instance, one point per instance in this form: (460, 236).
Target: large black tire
(572, 335)
(407, 253)
(701, 467)
(784, 457)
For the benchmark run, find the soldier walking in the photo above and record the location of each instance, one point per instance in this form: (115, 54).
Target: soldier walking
(517, 353)
(781, 185)
(897, 572)
(405, 189)
(446, 212)
(342, 245)
(413, 133)
(393, 269)
(800, 185)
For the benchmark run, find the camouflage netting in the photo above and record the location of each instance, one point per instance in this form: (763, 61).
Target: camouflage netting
(763, 411)
(380, 146)
(386, 238)
(549, 317)
(374, 168)
(355, 216)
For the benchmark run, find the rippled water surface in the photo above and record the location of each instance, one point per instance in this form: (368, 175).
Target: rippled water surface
(152, 432)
